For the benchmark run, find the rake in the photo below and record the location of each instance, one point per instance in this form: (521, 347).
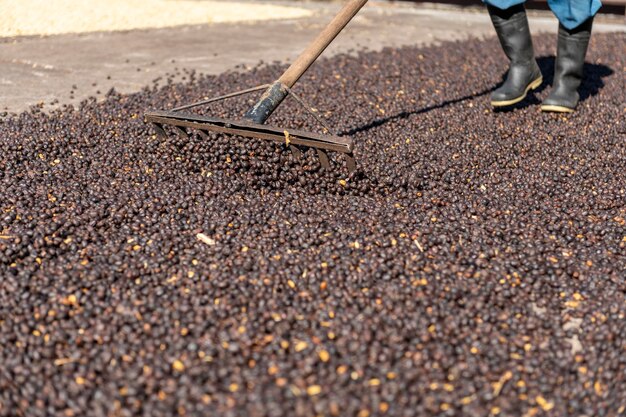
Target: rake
(252, 124)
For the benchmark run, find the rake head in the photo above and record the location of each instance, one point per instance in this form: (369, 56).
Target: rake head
(292, 138)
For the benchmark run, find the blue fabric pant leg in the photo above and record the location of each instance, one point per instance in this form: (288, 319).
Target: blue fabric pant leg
(571, 13)
(503, 4)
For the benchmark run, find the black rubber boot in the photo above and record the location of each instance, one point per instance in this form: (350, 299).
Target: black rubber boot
(524, 74)
(568, 69)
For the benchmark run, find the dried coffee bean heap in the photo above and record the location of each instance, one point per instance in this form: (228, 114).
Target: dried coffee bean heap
(474, 265)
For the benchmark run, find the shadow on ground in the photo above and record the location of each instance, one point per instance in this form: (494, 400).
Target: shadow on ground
(405, 114)
(592, 83)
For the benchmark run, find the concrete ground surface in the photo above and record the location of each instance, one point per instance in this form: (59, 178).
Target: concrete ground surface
(67, 68)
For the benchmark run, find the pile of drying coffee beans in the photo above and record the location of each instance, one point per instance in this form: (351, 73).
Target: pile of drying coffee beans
(475, 264)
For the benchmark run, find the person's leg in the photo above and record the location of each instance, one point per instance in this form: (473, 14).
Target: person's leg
(504, 4)
(511, 24)
(573, 13)
(575, 23)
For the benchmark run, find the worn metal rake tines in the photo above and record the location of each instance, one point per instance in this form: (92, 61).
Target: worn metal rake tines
(253, 123)
(292, 138)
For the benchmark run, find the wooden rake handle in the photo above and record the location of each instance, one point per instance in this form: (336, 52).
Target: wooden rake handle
(277, 92)
(321, 42)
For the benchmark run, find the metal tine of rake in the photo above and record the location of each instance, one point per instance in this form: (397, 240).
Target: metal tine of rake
(158, 127)
(321, 154)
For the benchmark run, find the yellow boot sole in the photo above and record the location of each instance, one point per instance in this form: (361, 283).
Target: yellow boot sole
(504, 103)
(556, 109)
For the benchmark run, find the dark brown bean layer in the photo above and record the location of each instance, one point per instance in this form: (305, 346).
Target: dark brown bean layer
(474, 265)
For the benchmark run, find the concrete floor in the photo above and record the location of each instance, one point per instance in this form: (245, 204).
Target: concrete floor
(45, 69)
